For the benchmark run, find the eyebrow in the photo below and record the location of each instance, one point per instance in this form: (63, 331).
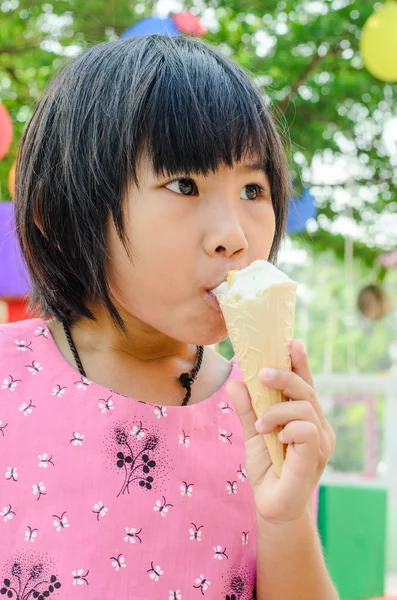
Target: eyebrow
(255, 166)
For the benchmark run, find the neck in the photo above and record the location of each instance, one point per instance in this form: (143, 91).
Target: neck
(140, 343)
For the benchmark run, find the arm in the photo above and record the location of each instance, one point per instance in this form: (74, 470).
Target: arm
(290, 564)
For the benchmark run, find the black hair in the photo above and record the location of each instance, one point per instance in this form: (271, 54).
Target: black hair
(180, 100)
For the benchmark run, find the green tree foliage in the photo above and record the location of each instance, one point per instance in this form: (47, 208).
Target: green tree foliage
(305, 55)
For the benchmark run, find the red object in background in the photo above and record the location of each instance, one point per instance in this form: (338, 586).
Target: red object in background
(17, 310)
(188, 23)
(5, 131)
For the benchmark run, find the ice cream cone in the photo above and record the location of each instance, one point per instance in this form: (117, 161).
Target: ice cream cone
(261, 330)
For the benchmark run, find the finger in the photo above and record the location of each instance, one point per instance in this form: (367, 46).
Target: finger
(304, 437)
(258, 459)
(293, 387)
(283, 413)
(240, 397)
(299, 361)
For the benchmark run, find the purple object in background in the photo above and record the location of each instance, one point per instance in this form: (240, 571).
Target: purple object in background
(13, 273)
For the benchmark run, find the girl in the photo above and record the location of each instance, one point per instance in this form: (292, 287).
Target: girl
(131, 463)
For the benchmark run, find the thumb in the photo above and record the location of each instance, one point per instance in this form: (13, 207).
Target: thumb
(240, 397)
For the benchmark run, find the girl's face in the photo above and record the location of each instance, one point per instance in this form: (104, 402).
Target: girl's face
(186, 234)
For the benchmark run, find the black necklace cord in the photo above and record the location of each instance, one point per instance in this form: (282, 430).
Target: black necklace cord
(73, 349)
(186, 379)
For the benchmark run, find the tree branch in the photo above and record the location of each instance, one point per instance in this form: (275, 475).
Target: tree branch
(282, 106)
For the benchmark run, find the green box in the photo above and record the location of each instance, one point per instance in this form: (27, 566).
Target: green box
(352, 526)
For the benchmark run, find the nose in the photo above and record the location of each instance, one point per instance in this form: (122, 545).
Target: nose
(225, 233)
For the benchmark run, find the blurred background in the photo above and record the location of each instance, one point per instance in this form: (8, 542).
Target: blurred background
(328, 70)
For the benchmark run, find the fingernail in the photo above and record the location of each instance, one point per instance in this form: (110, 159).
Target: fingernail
(268, 373)
(281, 435)
(258, 424)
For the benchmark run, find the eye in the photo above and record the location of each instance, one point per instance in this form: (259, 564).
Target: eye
(183, 185)
(253, 191)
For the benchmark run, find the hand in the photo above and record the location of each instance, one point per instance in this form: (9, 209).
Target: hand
(306, 431)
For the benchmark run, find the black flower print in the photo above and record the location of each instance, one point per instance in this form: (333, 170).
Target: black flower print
(30, 534)
(133, 464)
(34, 367)
(196, 533)
(224, 436)
(99, 510)
(122, 460)
(237, 588)
(155, 572)
(79, 577)
(140, 461)
(240, 584)
(39, 490)
(118, 562)
(245, 538)
(29, 576)
(7, 513)
(12, 474)
(60, 522)
(202, 584)
(175, 595)
(162, 507)
(231, 487)
(27, 409)
(220, 552)
(133, 535)
(77, 439)
(242, 473)
(58, 391)
(9, 383)
(23, 346)
(2, 427)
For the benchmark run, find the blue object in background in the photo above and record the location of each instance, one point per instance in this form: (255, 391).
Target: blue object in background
(152, 25)
(300, 210)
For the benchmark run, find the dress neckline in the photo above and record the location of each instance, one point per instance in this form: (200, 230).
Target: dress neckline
(105, 390)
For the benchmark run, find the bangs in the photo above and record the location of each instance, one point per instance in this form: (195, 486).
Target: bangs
(200, 113)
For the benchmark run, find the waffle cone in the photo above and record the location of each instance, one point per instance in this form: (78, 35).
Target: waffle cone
(261, 331)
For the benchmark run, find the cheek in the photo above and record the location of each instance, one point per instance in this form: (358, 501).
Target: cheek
(263, 231)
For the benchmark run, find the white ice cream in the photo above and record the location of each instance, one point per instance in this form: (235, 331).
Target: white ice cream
(248, 283)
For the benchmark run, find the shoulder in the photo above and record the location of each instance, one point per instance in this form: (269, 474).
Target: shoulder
(13, 331)
(17, 339)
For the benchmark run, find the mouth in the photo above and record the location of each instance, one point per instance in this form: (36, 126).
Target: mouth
(212, 300)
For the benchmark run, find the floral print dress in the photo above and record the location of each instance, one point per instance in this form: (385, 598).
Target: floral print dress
(106, 497)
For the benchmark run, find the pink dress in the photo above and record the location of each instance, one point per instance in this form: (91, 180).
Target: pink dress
(103, 497)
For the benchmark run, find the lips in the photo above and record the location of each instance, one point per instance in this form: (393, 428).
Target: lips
(212, 300)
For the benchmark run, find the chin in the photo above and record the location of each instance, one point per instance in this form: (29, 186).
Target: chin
(210, 335)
